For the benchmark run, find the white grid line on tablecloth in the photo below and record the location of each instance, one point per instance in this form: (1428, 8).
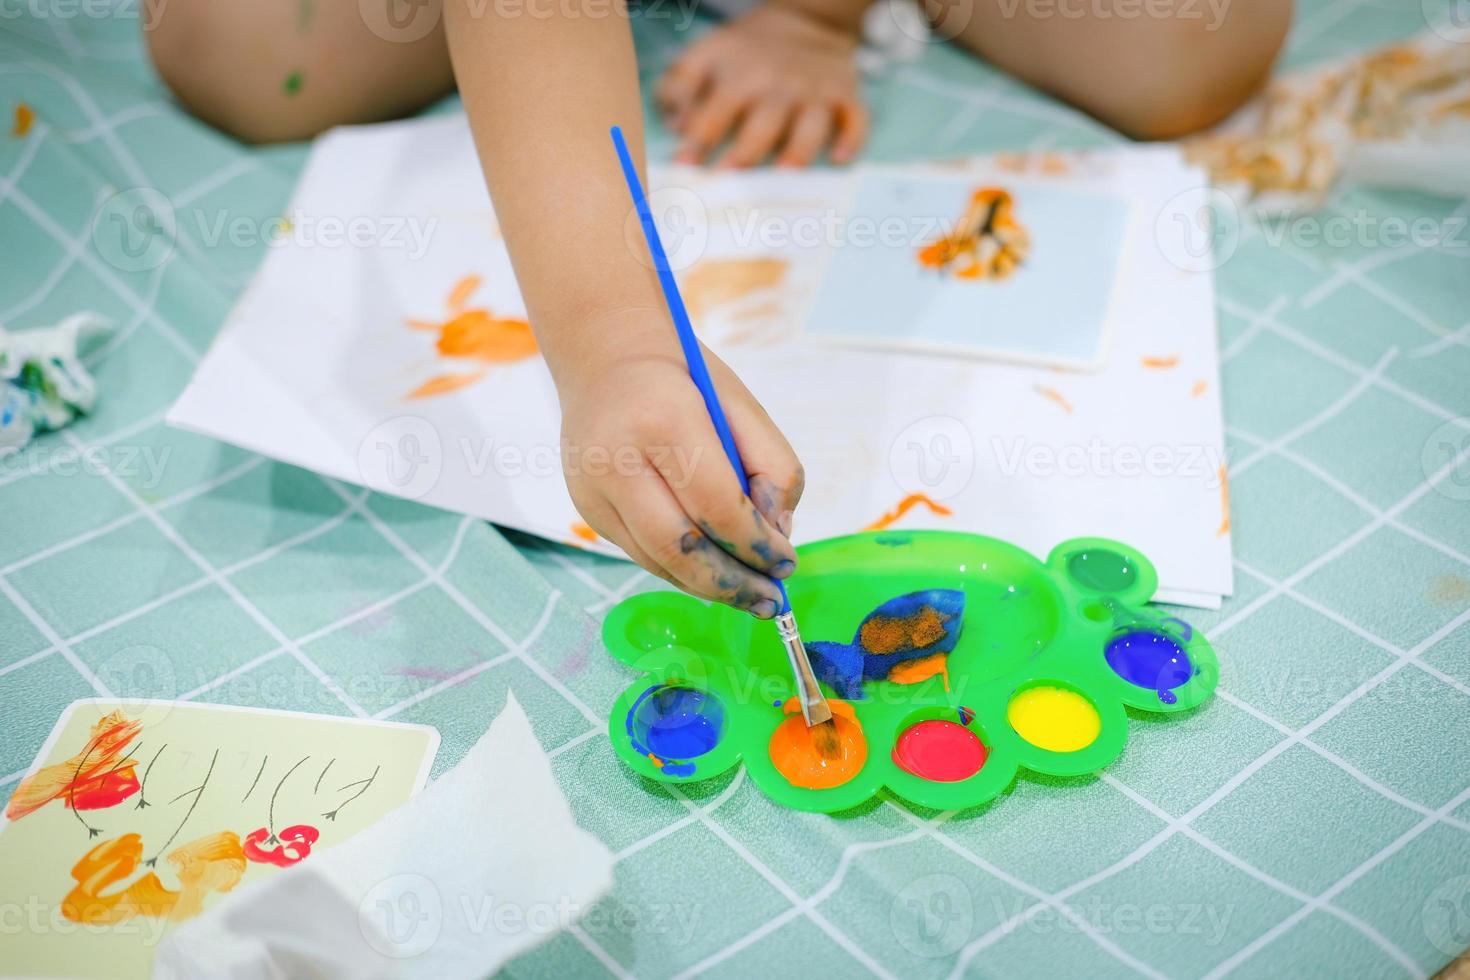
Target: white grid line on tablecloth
(72, 453)
(1459, 337)
(230, 588)
(1372, 934)
(1408, 530)
(1340, 548)
(1045, 898)
(1357, 271)
(1322, 900)
(1253, 326)
(141, 110)
(1333, 615)
(50, 634)
(1338, 360)
(1215, 797)
(1368, 781)
(1339, 405)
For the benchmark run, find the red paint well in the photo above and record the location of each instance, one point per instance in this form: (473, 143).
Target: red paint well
(938, 750)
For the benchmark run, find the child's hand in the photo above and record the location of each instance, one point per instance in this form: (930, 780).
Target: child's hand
(646, 471)
(774, 80)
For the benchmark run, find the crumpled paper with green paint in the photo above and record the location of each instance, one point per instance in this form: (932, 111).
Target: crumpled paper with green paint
(43, 385)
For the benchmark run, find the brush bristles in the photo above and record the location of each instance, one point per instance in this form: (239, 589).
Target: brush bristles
(825, 740)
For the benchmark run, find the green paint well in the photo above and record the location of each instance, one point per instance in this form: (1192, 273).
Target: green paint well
(1102, 570)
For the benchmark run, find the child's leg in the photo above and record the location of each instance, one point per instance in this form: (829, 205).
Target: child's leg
(1155, 69)
(288, 69)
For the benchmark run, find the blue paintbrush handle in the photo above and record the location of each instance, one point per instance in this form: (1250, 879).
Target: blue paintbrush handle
(693, 356)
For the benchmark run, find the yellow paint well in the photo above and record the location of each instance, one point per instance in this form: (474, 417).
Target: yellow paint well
(1054, 718)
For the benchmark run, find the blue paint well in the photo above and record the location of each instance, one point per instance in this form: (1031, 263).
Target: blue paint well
(673, 724)
(1145, 658)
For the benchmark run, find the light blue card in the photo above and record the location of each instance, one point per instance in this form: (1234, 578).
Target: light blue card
(1052, 308)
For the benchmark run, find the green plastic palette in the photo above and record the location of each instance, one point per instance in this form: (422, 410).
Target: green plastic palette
(1047, 658)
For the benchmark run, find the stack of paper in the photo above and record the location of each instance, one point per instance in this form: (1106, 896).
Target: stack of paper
(397, 356)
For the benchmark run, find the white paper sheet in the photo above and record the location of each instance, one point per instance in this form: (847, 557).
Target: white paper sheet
(316, 362)
(482, 865)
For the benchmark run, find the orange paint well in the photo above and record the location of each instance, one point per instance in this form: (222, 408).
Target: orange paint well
(904, 506)
(795, 753)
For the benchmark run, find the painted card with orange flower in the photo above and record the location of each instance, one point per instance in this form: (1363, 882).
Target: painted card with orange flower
(138, 815)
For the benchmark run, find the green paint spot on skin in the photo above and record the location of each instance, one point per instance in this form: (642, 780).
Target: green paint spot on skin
(294, 81)
(305, 9)
(1101, 570)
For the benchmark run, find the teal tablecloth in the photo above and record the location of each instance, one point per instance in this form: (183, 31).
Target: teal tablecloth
(1311, 821)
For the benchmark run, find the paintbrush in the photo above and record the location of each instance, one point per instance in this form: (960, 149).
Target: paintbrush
(814, 707)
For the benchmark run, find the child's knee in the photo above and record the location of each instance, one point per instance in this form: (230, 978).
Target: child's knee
(1202, 74)
(206, 74)
(219, 71)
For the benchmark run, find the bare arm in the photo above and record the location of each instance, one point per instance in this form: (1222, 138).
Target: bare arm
(542, 86)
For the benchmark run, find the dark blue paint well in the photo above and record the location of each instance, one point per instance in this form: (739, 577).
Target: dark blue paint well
(1149, 659)
(673, 724)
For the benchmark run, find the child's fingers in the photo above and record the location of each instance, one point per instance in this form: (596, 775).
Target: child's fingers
(662, 530)
(603, 519)
(776, 475)
(680, 88)
(759, 134)
(703, 481)
(709, 122)
(809, 134)
(852, 131)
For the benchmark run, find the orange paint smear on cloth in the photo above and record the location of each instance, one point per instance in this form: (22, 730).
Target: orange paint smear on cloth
(796, 754)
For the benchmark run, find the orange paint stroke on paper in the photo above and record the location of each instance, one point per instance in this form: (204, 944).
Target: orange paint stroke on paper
(475, 334)
(1200, 387)
(1056, 397)
(214, 863)
(904, 506)
(716, 283)
(584, 532)
(25, 118)
(98, 776)
(443, 384)
(1224, 528)
(1161, 363)
(986, 243)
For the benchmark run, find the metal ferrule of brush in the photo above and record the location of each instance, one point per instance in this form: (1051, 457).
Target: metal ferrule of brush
(813, 705)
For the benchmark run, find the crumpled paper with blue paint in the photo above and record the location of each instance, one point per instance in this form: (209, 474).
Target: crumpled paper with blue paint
(43, 384)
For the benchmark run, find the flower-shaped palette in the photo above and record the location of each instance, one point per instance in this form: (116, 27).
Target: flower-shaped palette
(973, 660)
